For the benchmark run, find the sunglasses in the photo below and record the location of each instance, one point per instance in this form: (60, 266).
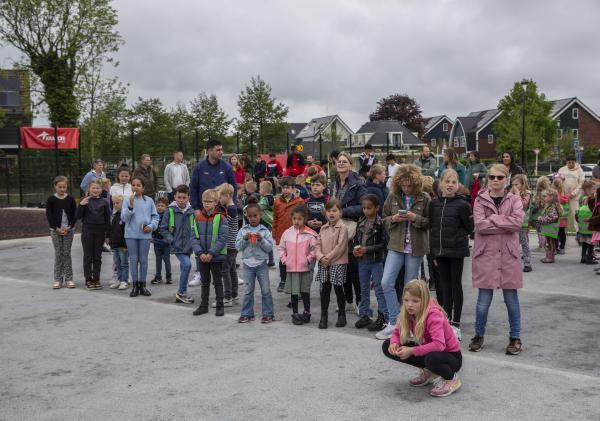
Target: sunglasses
(496, 177)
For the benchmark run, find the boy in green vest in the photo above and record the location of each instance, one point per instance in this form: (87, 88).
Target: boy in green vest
(209, 242)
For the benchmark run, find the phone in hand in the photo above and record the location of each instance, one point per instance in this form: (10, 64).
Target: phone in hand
(402, 212)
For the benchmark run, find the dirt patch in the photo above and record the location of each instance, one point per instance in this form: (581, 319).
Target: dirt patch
(22, 223)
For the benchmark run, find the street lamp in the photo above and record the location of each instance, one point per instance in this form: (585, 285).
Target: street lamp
(524, 83)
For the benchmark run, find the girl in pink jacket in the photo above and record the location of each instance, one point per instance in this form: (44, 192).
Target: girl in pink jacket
(424, 338)
(297, 250)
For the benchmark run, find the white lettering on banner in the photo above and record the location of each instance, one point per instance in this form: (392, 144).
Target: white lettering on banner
(48, 137)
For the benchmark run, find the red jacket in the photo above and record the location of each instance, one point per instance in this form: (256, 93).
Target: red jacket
(240, 174)
(282, 215)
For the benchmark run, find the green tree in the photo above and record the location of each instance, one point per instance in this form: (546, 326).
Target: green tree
(61, 40)
(154, 127)
(540, 129)
(258, 109)
(208, 117)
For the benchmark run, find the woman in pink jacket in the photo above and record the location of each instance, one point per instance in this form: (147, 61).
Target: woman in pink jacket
(496, 264)
(297, 250)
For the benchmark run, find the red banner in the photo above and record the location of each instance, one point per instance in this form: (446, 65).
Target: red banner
(43, 138)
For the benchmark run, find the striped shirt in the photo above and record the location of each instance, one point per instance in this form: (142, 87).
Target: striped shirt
(232, 220)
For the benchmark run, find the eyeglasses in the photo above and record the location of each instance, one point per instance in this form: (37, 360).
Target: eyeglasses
(496, 177)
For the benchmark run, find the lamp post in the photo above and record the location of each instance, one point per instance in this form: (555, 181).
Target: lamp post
(524, 84)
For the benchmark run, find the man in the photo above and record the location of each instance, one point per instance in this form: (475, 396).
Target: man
(366, 160)
(574, 177)
(176, 174)
(310, 162)
(426, 162)
(246, 162)
(148, 175)
(210, 173)
(96, 173)
(260, 169)
(295, 163)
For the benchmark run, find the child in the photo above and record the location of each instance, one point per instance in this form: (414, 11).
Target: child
(582, 216)
(176, 230)
(94, 213)
(311, 172)
(594, 224)
(316, 203)
(209, 243)
(255, 243)
(521, 189)
(162, 250)
(548, 222)
(368, 246)
(451, 222)
(250, 187)
(563, 199)
(543, 183)
(434, 348)
(297, 251)
(332, 255)
(230, 277)
(118, 245)
(266, 206)
(392, 167)
(282, 218)
(376, 184)
(301, 187)
(122, 187)
(274, 169)
(60, 213)
(140, 219)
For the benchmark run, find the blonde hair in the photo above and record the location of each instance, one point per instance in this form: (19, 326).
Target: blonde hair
(499, 168)
(418, 289)
(588, 185)
(210, 194)
(557, 183)
(225, 189)
(347, 156)
(251, 185)
(447, 173)
(523, 179)
(376, 170)
(267, 186)
(428, 184)
(542, 184)
(95, 181)
(411, 173)
(117, 197)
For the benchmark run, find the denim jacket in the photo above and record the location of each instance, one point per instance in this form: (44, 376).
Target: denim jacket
(260, 250)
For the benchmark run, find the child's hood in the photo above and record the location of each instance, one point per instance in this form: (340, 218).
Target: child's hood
(177, 209)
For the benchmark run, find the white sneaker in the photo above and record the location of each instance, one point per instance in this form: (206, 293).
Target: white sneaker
(235, 300)
(113, 284)
(123, 285)
(226, 303)
(240, 281)
(457, 332)
(385, 333)
(115, 278)
(196, 280)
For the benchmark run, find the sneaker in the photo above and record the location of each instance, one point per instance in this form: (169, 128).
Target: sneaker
(424, 378)
(457, 332)
(289, 305)
(363, 322)
(114, 285)
(271, 264)
(266, 319)
(97, 285)
(123, 285)
(446, 387)
(240, 281)
(560, 251)
(183, 299)
(106, 248)
(514, 346)
(244, 319)
(235, 300)
(378, 324)
(196, 280)
(200, 310)
(226, 303)
(156, 280)
(527, 268)
(115, 278)
(476, 344)
(169, 279)
(296, 319)
(89, 284)
(281, 287)
(385, 333)
(305, 317)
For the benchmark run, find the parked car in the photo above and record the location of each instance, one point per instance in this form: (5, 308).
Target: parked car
(587, 169)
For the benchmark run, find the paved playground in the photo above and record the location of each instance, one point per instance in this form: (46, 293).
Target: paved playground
(100, 355)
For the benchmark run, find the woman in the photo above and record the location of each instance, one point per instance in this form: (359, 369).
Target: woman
(349, 189)
(475, 171)
(508, 160)
(238, 169)
(496, 263)
(451, 161)
(406, 218)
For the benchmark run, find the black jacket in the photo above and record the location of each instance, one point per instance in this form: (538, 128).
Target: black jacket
(260, 170)
(95, 214)
(54, 210)
(376, 241)
(117, 232)
(451, 221)
(351, 205)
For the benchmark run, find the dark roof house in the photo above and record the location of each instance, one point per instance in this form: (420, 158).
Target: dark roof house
(437, 130)
(323, 134)
(382, 133)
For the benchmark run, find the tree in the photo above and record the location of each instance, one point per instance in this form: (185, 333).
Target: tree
(208, 117)
(540, 129)
(61, 39)
(155, 130)
(401, 108)
(258, 110)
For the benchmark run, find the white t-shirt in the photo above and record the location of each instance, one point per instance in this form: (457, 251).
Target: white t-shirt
(392, 168)
(122, 189)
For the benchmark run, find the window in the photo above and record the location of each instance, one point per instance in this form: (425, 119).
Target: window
(575, 134)
(575, 113)
(456, 143)
(491, 139)
(445, 127)
(433, 142)
(463, 142)
(559, 133)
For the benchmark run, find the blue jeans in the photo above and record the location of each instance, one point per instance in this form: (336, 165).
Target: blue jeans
(260, 273)
(121, 262)
(368, 271)
(138, 258)
(162, 251)
(185, 265)
(511, 299)
(393, 264)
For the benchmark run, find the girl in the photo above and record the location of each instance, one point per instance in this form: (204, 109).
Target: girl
(451, 222)
(122, 187)
(563, 199)
(548, 222)
(297, 252)
(520, 189)
(60, 213)
(594, 225)
(451, 161)
(406, 219)
(513, 168)
(496, 264)
(238, 169)
(376, 184)
(423, 338)
(543, 183)
(141, 218)
(94, 213)
(332, 255)
(582, 217)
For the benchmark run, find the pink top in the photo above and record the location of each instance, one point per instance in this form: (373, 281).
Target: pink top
(333, 243)
(297, 249)
(438, 335)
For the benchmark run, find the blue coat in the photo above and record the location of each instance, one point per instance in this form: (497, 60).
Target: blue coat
(380, 190)
(351, 206)
(460, 170)
(180, 239)
(207, 176)
(143, 212)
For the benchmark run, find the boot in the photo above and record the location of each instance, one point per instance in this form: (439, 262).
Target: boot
(341, 321)
(135, 290)
(583, 253)
(143, 290)
(589, 258)
(169, 279)
(202, 309)
(204, 294)
(323, 321)
(549, 257)
(220, 310)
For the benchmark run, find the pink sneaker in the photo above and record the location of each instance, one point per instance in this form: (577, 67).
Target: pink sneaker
(424, 378)
(446, 387)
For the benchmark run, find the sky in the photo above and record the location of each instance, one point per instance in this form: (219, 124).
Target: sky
(341, 57)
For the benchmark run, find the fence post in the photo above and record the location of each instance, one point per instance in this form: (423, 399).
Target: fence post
(7, 165)
(196, 144)
(20, 157)
(56, 150)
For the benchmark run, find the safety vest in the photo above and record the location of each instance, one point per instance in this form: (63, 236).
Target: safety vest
(549, 230)
(172, 219)
(215, 232)
(584, 213)
(565, 211)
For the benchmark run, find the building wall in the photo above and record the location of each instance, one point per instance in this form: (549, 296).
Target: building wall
(589, 130)
(438, 134)
(487, 149)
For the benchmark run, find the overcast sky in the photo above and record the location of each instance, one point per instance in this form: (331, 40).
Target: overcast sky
(340, 57)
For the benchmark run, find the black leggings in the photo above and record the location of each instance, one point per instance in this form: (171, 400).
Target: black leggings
(450, 272)
(305, 301)
(92, 239)
(443, 363)
(326, 296)
(352, 280)
(562, 238)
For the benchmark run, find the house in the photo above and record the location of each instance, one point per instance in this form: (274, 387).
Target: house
(293, 130)
(324, 134)
(572, 115)
(437, 131)
(15, 105)
(387, 134)
(475, 132)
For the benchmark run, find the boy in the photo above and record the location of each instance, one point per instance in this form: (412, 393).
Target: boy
(376, 184)
(209, 242)
(230, 276)
(250, 188)
(316, 203)
(301, 186)
(176, 231)
(118, 245)
(162, 250)
(274, 169)
(266, 206)
(282, 218)
(255, 242)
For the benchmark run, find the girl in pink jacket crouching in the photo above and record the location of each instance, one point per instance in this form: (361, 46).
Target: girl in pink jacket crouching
(297, 250)
(496, 264)
(424, 338)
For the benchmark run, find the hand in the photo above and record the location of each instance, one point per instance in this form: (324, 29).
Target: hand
(208, 258)
(84, 201)
(147, 229)
(258, 237)
(397, 218)
(247, 237)
(131, 200)
(404, 352)
(324, 261)
(475, 175)
(393, 349)
(411, 216)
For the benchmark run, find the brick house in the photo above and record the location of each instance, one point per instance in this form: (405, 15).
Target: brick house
(572, 115)
(437, 131)
(386, 134)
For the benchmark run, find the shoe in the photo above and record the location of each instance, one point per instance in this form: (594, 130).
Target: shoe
(114, 285)
(97, 285)
(424, 378)
(271, 264)
(240, 281)
(244, 319)
(446, 387)
(378, 324)
(476, 344)
(135, 290)
(289, 305)
(123, 285)
(296, 319)
(341, 321)
(385, 333)
(266, 319)
(89, 284)
(457, 332)
(143, 290)
(560, 251)
(220, 311)
(183, 299)
(514, 346)
(169, 279)
(200, 310)
(363, 322)
(56, 285)
(235, 300)
(106, 248)
(281, 287)
(305, 317)
(527, 268)
(196, 280)
(70, 283)
(226, 303)
(549, 257)
(156, 280)
(323, 322)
